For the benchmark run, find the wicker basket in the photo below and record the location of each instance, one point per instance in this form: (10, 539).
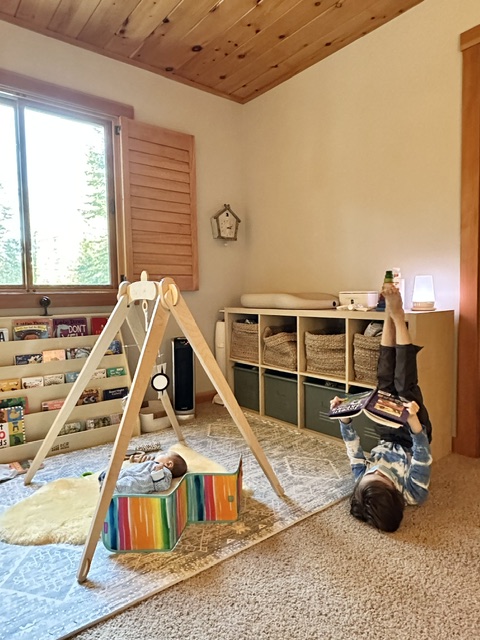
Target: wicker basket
(366, 350)
(325, 353)
(280, 348)
(244, 343)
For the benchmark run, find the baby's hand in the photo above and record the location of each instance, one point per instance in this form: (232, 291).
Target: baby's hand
(158, 466)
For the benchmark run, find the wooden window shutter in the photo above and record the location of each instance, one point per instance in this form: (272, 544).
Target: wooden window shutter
(158, 233)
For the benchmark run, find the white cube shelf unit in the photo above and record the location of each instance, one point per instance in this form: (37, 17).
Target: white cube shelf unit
(253, 378)
(38, 422)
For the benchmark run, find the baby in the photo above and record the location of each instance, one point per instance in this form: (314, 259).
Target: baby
(149, 476)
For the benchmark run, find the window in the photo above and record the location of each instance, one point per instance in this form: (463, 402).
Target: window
(89, 196)
(56, 229)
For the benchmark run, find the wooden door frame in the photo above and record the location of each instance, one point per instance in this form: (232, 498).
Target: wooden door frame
(467, 439)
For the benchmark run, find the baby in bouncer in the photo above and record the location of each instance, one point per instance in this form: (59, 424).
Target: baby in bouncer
(149, 475)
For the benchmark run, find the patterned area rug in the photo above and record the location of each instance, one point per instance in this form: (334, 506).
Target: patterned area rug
(40, 595)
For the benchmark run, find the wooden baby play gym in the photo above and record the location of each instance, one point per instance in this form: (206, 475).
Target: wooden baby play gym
(167, 300)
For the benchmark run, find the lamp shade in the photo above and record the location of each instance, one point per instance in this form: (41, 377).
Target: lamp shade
(423, 298)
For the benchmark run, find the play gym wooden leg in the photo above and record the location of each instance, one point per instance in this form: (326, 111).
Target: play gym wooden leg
(140, 381)
(111, 329)
(186, 322)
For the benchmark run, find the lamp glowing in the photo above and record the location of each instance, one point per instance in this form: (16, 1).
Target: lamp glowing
(423, 298)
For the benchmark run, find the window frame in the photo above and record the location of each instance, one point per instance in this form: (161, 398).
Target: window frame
(64, 100)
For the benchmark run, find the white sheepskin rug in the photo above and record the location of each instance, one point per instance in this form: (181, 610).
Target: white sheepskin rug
(61, 511)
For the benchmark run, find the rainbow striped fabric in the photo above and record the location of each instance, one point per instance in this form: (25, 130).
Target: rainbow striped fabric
(155, 522)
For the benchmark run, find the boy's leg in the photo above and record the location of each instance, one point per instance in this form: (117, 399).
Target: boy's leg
(386, 381)
(386, 357)
(406, 375)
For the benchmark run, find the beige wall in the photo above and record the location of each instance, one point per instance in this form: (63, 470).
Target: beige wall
(353, 166)
(347, 169)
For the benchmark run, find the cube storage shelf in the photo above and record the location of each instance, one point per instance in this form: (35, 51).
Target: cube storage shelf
(300, 397)
(38, 422)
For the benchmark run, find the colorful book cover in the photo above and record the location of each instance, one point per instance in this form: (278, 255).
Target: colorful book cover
(21, 401)
(4, 334)
(29, 358)
(114, 348)
(114, 394)
(10, 384)
(53, 405)
(32, 382)
(78, 352)
(69, 327)
(12, 427)
(97, 325)
(53, 378)
(71, 376)
(89, 396)
(53, 354)
(116, 371)
(32, 329)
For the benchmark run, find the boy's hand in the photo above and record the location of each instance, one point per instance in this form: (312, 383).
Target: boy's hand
(334, 402)
(413, 421)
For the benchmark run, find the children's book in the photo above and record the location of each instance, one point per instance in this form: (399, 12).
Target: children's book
(32, 329)
(380, 406)
(69, 327)
(29, 358)
(10, 384)
(12, 428)
(21, 401)
(97, 325)
(4, 337)
(50, 355)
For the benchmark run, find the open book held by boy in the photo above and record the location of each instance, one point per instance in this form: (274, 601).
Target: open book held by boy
(380, 406)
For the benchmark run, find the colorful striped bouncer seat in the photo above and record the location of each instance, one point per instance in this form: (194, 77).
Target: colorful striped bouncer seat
(155, 521)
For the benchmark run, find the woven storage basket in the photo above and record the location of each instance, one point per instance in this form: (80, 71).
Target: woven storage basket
(280, 348)
(325, 353)
(244, 343)
(366, 350)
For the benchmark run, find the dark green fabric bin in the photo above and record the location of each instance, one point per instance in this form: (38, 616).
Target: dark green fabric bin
(245, 386)
(281, 396)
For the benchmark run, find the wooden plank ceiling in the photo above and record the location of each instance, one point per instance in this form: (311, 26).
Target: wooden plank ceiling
(237, 49)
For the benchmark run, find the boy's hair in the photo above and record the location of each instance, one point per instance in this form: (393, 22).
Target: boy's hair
(179, 465)
(377, 504)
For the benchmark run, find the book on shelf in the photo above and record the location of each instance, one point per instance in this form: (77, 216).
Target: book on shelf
(380, 406)
(53, 378)
(10, 384)
(71, 376)
(78, 352)
(4, 334)
(53, 405)
(12, 427)
(115, 394)
(98, 422)
(69, 327)
(97, 325)
(114, 349)
(71, 427)
(21, 401)
(51, 355)
(89, 396)
(32, 382)
(98, 374)
(32, 328)
(29, 358)
(116, 371)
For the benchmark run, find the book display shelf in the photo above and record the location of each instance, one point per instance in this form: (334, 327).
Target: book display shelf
(49, 378)
(297, 392)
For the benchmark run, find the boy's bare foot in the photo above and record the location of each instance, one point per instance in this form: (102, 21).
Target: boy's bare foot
(393, 300)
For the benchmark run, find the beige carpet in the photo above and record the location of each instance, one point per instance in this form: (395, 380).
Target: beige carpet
(332, 578)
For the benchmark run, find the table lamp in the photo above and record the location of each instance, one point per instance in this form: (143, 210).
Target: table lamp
(423, 298)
